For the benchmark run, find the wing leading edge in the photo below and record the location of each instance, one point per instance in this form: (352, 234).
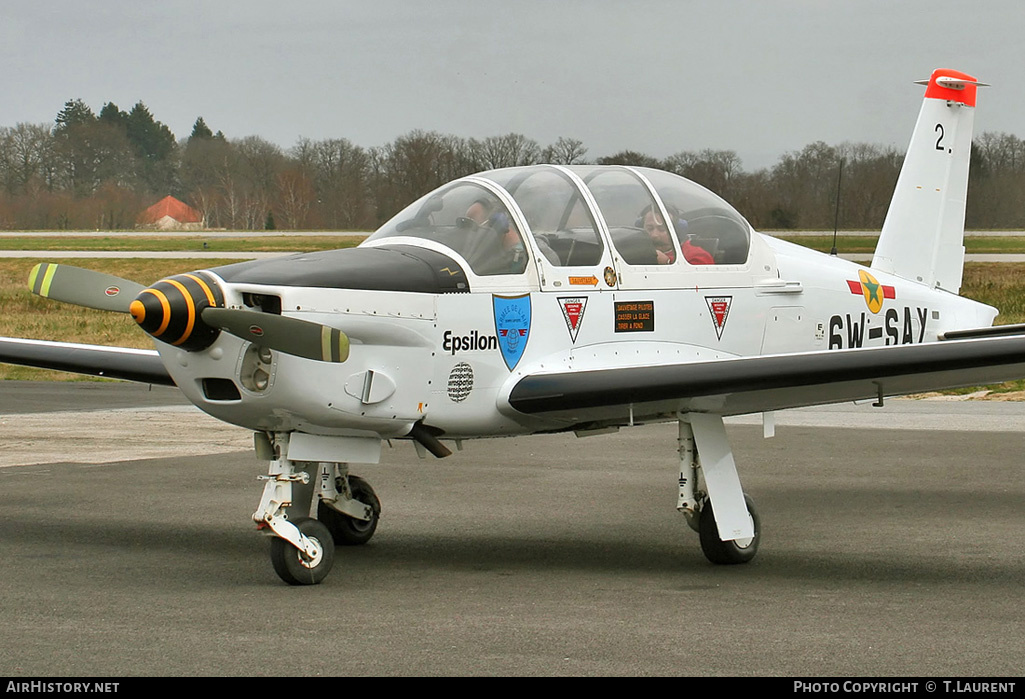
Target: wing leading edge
(772, 382)
(143, 366)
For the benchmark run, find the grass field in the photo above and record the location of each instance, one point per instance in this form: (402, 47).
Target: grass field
(278, 243)
(979, 245)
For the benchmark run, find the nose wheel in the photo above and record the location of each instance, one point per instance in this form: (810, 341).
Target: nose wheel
(302, 549)
(297, 567)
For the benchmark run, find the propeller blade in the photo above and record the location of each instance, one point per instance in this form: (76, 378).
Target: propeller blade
(83, 287)
(289, 335)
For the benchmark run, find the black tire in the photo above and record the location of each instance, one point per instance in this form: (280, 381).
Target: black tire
(293, 566)
(345, 530)
(727, 552)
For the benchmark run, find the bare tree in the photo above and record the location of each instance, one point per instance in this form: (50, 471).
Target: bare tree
(411, 166)
(715, 169)
(510, 150)
(341, 176)
(295, 196)
(565, 151)
(26, 157)
(629, 157)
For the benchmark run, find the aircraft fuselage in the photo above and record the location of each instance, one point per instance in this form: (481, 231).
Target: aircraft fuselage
(450, 358)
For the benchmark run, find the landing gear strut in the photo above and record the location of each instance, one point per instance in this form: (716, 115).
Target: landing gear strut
(710, 494)
(302, 548)
(354, 495)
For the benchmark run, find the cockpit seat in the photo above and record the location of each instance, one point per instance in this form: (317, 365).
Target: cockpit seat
(634, 246)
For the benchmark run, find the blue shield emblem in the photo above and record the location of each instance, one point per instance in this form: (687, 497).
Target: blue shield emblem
(512, 322)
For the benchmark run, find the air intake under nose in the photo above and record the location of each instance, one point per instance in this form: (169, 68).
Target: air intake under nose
(171, 310)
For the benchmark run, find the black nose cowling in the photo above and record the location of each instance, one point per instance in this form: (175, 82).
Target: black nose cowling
(170, 310)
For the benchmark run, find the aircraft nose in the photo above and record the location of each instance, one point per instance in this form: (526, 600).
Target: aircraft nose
(170, 310)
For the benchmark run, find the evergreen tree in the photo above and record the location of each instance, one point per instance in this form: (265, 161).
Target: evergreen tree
(110, 114)
(75, 112)
(201, 130)
(153, 141)
(154, 144)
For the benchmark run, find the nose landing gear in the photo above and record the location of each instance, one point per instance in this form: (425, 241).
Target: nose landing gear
(298, 567)
(302, 548)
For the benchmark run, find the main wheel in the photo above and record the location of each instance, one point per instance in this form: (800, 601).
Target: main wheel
(346, 530)
(727, 552)
(295, 567)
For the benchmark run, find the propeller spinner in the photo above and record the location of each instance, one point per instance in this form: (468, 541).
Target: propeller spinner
(171, 310)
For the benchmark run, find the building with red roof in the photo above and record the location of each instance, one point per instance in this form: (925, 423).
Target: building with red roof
(169, 214)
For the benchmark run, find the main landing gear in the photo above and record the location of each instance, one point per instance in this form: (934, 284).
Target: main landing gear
(710, 494)
(302, 548)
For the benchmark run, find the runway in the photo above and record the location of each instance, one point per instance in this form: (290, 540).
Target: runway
(886, 551)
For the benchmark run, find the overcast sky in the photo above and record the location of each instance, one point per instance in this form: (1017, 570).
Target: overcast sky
(761, 77)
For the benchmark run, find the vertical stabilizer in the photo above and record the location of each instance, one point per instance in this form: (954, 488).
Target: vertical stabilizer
(923, 234)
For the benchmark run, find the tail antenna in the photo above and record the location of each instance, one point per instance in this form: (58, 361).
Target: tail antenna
(836, 217)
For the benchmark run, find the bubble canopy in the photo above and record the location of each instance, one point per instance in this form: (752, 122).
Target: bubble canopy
(499, 220)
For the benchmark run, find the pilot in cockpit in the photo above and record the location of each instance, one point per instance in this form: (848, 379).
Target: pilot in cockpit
(479, 211)
(657, 230)
(509, 256)
(655, 226)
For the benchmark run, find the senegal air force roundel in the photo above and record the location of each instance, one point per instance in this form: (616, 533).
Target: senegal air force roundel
(872, 290)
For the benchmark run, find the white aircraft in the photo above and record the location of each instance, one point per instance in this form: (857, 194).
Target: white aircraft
(548, 299)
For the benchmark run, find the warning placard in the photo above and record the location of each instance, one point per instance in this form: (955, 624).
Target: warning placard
(635, 316)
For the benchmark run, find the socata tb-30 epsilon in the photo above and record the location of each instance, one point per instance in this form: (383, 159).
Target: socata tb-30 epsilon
(548, 299)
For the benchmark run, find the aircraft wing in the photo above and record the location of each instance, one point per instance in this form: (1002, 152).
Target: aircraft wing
(742, 385)
(143, 366)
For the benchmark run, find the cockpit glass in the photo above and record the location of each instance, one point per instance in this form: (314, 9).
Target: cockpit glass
(689, 225)
(637, 227)
(557, 215)
(709, 230)
(468, 219)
